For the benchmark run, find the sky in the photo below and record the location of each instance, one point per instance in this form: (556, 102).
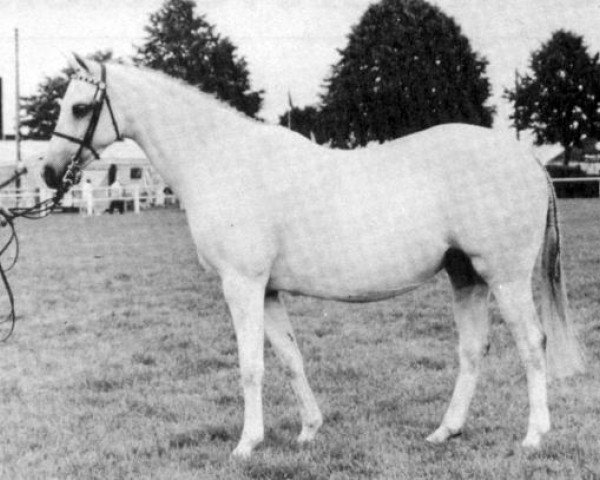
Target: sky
(289, 45)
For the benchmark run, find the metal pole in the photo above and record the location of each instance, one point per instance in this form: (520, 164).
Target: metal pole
(1, 111)
(136, 199)
(17, 116)
(290, 110)
(17, 100)
(516, 91)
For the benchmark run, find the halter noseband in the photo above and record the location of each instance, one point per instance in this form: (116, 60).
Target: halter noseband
(73, 173)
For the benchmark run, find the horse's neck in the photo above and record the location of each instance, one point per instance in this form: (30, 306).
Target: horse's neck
(175, 128)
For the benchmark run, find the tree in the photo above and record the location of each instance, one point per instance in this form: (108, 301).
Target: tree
(305, 121)
(560, 99)
(406, 67)
(40, 111)
(186, 46)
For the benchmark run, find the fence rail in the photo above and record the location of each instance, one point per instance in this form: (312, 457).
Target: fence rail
(576, 179)
(135, 198)
(93, 200)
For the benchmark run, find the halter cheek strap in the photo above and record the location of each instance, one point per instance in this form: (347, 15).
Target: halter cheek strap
(100, 98)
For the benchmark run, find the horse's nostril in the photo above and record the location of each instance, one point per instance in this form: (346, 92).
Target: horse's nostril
(50, 177)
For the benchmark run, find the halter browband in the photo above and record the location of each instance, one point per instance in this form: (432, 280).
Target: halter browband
(73, 174)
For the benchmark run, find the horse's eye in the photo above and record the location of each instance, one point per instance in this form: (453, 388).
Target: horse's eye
(80, 110)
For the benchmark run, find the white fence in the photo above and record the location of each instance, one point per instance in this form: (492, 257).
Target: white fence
(133, 198)
(576, 179)
(93, 200)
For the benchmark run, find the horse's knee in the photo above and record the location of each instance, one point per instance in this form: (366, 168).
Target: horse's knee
(534, 349)
(252, 375)
(471, 354)
(292, 368)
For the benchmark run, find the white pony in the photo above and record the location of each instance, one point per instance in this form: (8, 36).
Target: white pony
(271, 212)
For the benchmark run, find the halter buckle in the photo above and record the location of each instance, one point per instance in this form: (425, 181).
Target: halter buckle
(72, 176)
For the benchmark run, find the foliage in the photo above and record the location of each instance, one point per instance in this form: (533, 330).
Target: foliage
(560, 99)
(406, 67)
(305, 121)
(40, 111)
(186, 46)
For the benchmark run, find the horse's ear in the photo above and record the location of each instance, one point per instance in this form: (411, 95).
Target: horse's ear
(81, 62)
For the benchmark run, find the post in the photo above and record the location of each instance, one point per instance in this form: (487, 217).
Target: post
(159, 196)
(518, 132)
(18, 165)
(89, 204)
(289, 119)
(45, 194)
(136, 199)
(1, 112)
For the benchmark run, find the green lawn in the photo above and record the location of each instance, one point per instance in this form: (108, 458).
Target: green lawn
(123, 364)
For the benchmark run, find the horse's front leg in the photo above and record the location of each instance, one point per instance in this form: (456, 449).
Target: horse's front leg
(245, 298)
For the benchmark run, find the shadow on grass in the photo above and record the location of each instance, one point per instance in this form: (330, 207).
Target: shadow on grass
(292, 469)
(343, 460)
(208, 433)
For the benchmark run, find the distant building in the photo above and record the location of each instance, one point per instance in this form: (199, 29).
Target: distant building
(132, 166)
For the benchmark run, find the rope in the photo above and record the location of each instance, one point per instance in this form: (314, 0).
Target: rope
(71, 177)
(40, 210)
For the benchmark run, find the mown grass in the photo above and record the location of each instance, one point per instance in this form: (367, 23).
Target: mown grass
(124, 365)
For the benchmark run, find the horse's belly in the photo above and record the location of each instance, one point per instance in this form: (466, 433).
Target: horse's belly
(359, 270)
(351, 296)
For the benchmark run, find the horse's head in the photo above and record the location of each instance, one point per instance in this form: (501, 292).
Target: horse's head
(86, 125)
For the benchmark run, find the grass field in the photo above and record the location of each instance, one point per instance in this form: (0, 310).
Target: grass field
(123, 365)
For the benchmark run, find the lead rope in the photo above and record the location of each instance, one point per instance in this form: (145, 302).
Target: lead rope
(39, 210)
(72, 177)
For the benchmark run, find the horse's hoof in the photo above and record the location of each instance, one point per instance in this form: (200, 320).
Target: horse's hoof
(244, 449)
(535, 433)
(241, 453)
(532, 441)
(309, 431)
(307, 435)
(442, 434)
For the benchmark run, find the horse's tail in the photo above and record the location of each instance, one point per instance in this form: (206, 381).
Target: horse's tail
(563, 354)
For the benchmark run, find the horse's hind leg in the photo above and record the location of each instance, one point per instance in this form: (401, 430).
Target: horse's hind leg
(515, 301)
(472, 321)
(281, 336)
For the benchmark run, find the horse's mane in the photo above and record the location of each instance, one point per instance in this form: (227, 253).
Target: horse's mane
(169, 82)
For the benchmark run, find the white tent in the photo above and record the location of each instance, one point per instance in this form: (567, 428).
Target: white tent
(132, 165)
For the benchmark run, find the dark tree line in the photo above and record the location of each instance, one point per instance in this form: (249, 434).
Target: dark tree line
(179, 43)
(39, 111)
(559, 98)
(186, 46)
(407, 66)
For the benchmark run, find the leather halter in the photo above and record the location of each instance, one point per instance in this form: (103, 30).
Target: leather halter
(73, 174)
